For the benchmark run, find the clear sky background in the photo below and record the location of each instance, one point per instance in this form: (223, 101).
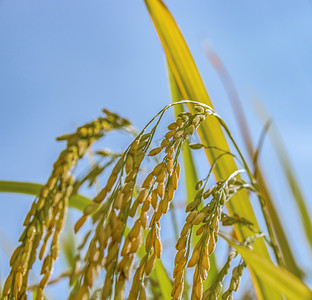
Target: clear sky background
(61, 62)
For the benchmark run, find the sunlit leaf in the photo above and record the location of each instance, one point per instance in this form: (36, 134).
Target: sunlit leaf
(278, 279)
(76, 201)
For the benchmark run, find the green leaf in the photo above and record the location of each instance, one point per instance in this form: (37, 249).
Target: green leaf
(163, 280)
(76, 201)
(278, 279)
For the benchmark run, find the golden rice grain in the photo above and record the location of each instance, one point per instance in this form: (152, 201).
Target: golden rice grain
(129, 163)
(90, 274)
(178, 134)
(169, 166)
(7, 285)
(174, 179)
(148, 181)
(136, 229)
(160, 189)
(181, 243)
(154, 199)
(142, 196)
(199, 218)
(180, 123)
(150, 264)
(165, 204)
(134, 146)
(180, 254)
(211, 244)
(170, 134)
(186, 229)
(194, 258)
(155, 151)
(158, 247)
(161, 177)
(135, 244)
(158, 168)
(191, 216)
(142, 294)
(173, 126)
(198, 288)
(111, 181)
(164, 143)
(144, 219)
(147, 203)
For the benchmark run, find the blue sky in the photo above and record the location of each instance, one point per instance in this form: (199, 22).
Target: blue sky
(63, 61)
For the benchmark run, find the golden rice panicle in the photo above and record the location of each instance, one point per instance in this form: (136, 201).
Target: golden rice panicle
(120, 288)
(208, 221)
(235, 281)
(107, 236)
(194, 217)
(137, 282)
(47, 214)
(214, 291)
(152, 244)
(131, 161)
(109, 233)
(59, 213)
(180, 262)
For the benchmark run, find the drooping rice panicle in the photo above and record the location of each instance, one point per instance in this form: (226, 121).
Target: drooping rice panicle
(235, 281)
(159, 187)
(213, 292)
(47, 214)
(207, 219)
(112, 244)
(114, 205)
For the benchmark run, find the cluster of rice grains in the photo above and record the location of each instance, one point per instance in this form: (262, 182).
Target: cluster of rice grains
(125, 214)
(207, 221)
(120, 200)
(46, 217)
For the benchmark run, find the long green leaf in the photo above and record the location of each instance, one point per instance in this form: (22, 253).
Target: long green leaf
(163, 280)
(278, 279)
(76, 201)
(191, 87)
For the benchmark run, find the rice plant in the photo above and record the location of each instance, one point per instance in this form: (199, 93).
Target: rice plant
(120, 255)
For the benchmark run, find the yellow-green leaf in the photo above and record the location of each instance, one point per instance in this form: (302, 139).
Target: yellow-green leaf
(163, 280)
(76, 201)
(278, 279)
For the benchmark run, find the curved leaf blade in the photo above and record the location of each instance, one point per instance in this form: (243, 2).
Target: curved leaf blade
(278, 279)
(76, 201)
